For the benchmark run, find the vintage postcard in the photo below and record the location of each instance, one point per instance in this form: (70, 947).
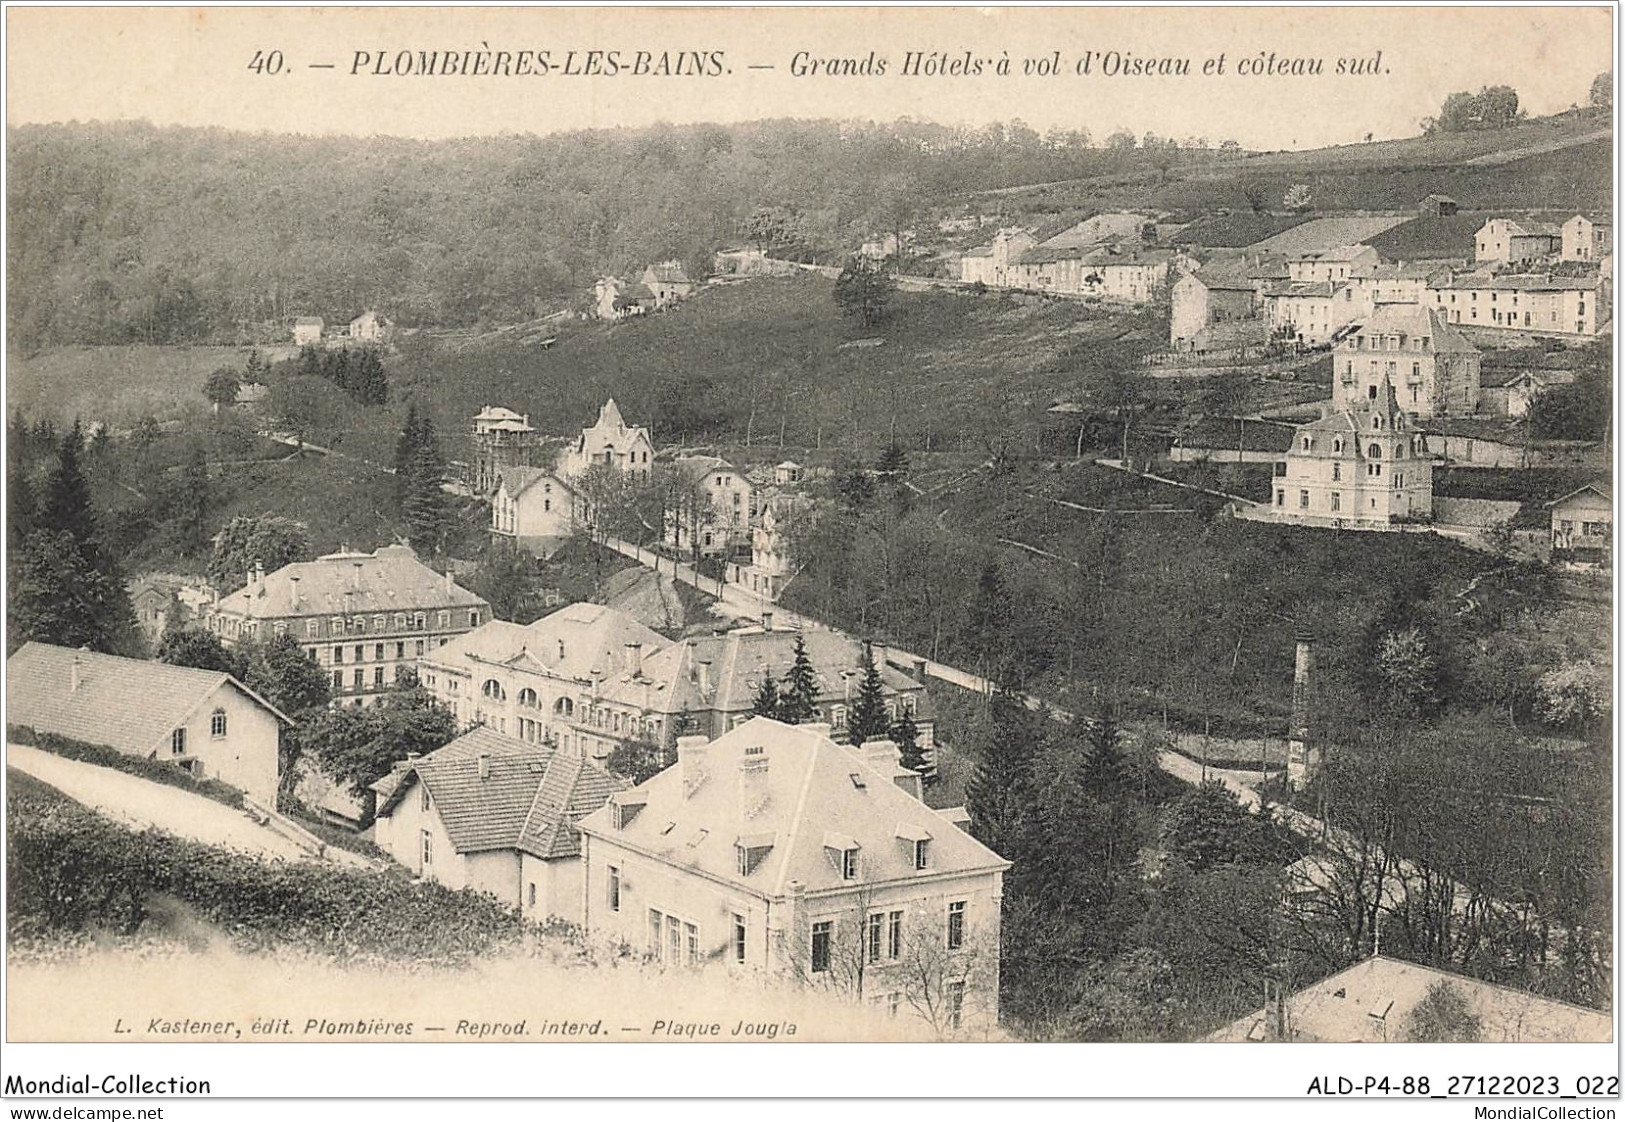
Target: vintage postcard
(853, 527)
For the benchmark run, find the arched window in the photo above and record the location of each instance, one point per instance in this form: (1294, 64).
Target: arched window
(564, 707)
(1306, 444)
(217, 723)
(527, 698)
(1337, 445)
(1376, 422)
(493, 690)
(1374, 452)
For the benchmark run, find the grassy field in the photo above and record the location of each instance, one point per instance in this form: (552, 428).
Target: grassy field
(118, 385)
(760, 359)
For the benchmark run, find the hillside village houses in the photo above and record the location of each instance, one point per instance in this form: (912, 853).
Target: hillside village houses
(668, 282)
(494, 814)
(774, 850)
(1219, 292)
(370, 327)
(771, 565)
(1583, 526)
(1433, 369)
(538, 508)
(204, 721)
(502, 439)
(1543, 302)
(1363, 467)
(1508, 241)
(662, 286)
(591, 678)
(1585, 240)
(363, 616)
(715, 514)
(1108, 255)
(307, 330)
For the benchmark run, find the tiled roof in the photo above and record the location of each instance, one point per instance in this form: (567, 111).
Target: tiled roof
(1522, 282)
(571, 643)
(1412, 321)
(1337, 253)
(529, 801)
(670, 678)
(696, 468)
(125, 703)
(788, 789)
(519, 479)
(670, 272)
(1319, 289)
(390, 580)
(978, 251)
(308, 321)
(1603, 489)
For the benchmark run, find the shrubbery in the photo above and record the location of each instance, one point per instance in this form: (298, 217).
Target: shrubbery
(102, 756)
(70, 870)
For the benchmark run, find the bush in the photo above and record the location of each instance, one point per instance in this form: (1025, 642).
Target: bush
(101, 755)
(70, 871)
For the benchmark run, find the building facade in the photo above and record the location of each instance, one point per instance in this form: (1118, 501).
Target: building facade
(1360, 468)
(1508, 241)
(611, 442)
(362, 616)
(994, 264)
(1585, 240)
(1537, 303)
(502, 439)
(494, 814)
(1431, 366)
(773, 850)
(1583, 526)
(203, 721)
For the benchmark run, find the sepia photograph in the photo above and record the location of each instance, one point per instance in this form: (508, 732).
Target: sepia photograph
(875, 528)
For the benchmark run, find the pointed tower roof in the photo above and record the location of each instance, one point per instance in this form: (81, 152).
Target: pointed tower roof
(610, 416)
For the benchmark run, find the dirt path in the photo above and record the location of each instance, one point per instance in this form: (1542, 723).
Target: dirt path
(139, 803)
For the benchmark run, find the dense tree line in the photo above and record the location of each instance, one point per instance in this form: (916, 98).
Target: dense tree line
(129, 233)
(358, 371)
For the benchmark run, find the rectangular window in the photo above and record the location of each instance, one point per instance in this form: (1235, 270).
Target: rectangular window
(177, 742)
(428, 847)
(956, 1003)
(922, 853)
(423, 799)
(217, 724)
(849, 864)
(474, 619)
(338, 655)
(875, 936)
(1337, 500)
(894, 935)
(1303, 498)
(419, 649)
(739, 938)
(378, 677)
(443, 619)
(338, 680)
(657, 926)
(674, 940)
(614, 888)
(378, 653)
(313, 628)
(956, 925)
(531, 895)
(821, 932)
(691, 936)
(358, 679)
(361, 652)
(400, 621)
(893, 1000)
(400, 650)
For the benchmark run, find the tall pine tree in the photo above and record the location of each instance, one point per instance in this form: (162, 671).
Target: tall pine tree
(906, 735)
(419, 472)
(869, 720)
(798, 701)
(1000, 793)
(767, 699)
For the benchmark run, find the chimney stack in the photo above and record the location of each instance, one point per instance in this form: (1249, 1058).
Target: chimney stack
(448, 578)
(355, 576)
(485, 765)
(259, 576)
(1303, 756)
(704, 666)
(293, 591)
(767, 621)
(74, 675)
(919, 669)
(691, 754)
(634, 656)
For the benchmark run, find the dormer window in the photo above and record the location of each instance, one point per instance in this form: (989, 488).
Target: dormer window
(849, 864)
(621, 814)
(922, 853)
(750, 850)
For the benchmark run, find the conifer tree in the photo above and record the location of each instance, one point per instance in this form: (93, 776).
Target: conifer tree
(906, 735)
(1105, 772)
(1000, 793)
(798, 701)
(767, 699)
(868, 721)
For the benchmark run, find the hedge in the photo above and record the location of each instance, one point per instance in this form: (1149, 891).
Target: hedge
(72, 871)
(101, 755)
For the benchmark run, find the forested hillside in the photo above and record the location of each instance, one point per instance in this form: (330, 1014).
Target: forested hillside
(125, 233)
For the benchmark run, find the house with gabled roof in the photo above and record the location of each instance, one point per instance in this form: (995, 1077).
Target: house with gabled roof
(774, 850)
(716, 509)
(203, 721)
(1375, 1000)
(1587, 239)
(1508, 240)
(668, 282)
(609, 441)
(494, 814)
(535, 509)
(307, 330)
(1583, 525)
